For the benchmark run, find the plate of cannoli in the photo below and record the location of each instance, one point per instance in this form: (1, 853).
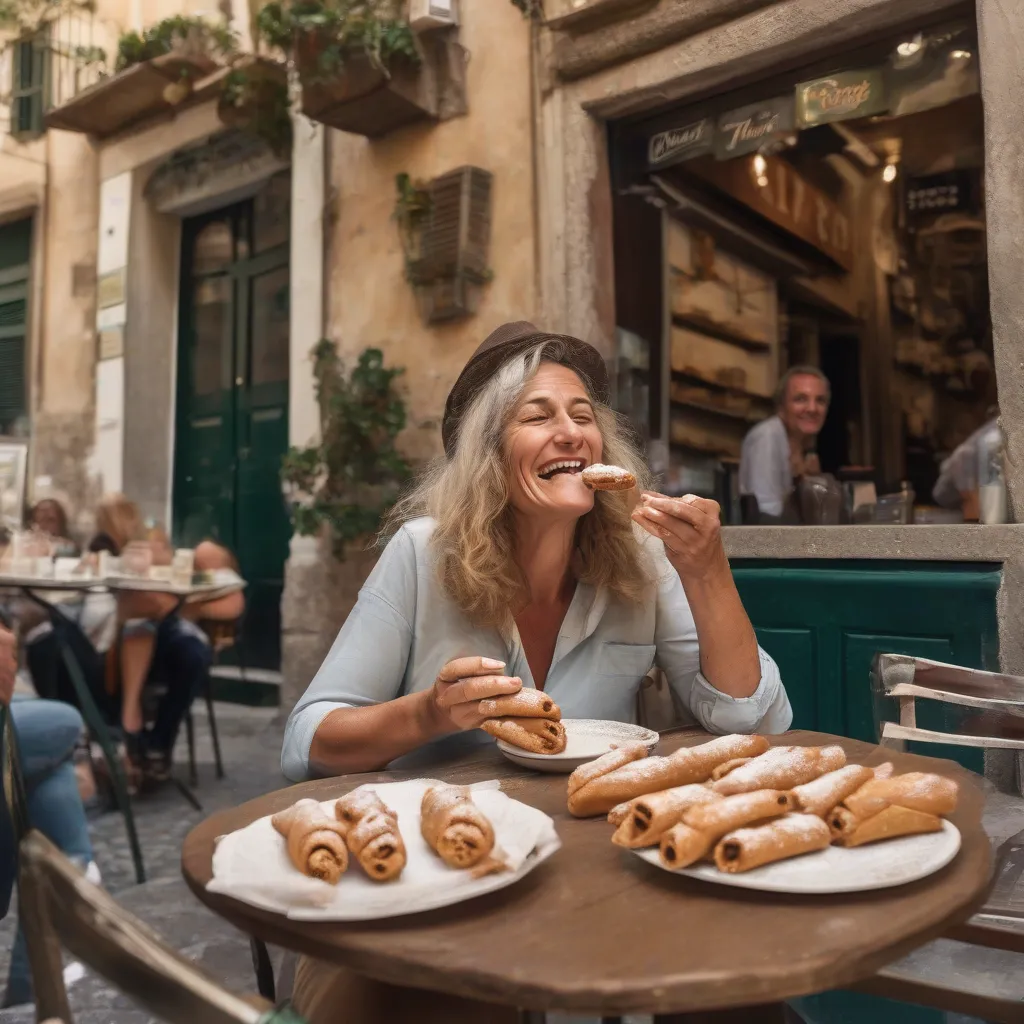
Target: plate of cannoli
(530, 731)
(383, 851)
(783, 819)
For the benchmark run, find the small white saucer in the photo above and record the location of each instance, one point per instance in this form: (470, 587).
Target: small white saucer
(586, 739)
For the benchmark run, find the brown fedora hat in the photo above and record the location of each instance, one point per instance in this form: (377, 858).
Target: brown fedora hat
(498, 347)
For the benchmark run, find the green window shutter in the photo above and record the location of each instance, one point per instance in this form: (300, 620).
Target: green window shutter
(30, 85)
(12, 363)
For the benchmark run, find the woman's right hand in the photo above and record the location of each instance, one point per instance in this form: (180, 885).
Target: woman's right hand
(462, 684)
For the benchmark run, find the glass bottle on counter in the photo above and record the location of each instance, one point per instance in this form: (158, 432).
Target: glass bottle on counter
(991, 479)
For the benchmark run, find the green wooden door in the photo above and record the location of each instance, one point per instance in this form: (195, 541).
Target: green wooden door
(232, 411)
(15, 252)
(823, 622)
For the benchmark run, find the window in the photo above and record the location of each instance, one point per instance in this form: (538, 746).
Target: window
(30, 85)
(15, 247)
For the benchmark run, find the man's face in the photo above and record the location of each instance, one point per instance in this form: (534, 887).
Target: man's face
(805, 405)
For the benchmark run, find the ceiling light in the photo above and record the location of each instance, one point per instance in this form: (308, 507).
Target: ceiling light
(760, 165)
(961, 55)
(910, 46)
(762, 180)
(889, 173)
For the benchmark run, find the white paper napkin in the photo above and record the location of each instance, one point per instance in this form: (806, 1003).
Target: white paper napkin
(252, 864)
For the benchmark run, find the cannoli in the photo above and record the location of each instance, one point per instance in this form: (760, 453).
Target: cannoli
(787, 837)
(608, 478)
(820, 795)
(723, 769)
(527, 703)
(604, 764)
(682, 846)
(617, 815)
(454, 827)
(884, 770)
(602, 791)
(537, 735)
(316, 842)
(890, 823)
(918, 791)
(649, 817)
(841, 823)
(732, 812)
(782, 768)
(372, 834)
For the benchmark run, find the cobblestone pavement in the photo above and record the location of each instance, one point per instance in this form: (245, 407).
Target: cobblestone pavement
(251, 745)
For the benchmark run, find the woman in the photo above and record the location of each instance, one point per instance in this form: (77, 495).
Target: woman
(48, 516)
(507, 571)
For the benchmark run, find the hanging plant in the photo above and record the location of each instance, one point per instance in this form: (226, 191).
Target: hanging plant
(348, 482)
(412, 208)
(20, 18)
(530, 8)
(320, 35)
(176, 34)
(256, 101)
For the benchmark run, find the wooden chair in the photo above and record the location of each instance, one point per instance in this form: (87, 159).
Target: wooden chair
(984, 710)
(65, 910)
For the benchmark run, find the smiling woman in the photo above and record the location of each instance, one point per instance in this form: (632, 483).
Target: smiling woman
(505, 570)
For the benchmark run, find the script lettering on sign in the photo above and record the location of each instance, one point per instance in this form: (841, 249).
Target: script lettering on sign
(749, 128)
(788, 201)
(840, 97)
(678, 144)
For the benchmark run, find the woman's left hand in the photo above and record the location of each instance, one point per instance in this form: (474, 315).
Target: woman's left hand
(691, 530)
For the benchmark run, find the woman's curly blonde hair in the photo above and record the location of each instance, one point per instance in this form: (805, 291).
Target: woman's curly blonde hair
(467, 496)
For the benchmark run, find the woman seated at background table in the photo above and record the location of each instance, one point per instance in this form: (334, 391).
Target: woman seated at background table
(48, 516)
(506, 573)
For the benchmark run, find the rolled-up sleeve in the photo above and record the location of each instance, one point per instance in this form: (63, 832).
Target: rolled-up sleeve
(367, 662)
(766, 710)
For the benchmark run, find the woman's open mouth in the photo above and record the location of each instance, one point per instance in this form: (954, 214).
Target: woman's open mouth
(553, 469)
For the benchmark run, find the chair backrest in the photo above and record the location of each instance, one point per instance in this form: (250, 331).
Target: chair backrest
(986, 709)
(69, 911)
(15, 799)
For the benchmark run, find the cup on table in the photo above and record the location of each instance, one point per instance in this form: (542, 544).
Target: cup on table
(182, 566)
(136, 560)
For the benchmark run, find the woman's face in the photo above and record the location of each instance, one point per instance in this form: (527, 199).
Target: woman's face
(552, 438)
(46, 517)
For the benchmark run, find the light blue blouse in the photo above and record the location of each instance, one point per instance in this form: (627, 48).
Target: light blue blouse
(404, 629)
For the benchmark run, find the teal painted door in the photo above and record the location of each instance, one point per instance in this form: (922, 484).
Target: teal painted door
(15, 252)
(824, 622)
(232, 411)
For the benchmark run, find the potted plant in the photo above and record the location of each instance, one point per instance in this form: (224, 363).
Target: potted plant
(359, 63)
(341, 488)
(255, 100)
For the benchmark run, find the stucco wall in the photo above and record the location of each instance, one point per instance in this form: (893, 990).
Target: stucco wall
(369, 301)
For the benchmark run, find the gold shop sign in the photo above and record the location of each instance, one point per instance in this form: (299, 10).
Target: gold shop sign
(840, 97)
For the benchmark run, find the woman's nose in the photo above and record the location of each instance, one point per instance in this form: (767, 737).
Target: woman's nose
(568, 430)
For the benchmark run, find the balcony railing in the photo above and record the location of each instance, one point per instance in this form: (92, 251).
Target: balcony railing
(49, 68)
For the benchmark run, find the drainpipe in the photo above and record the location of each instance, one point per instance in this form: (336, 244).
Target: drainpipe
(536, 143)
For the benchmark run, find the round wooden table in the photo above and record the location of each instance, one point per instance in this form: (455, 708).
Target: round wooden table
(596, 930)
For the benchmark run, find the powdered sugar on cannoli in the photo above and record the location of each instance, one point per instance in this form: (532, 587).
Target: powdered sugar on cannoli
(600, 477)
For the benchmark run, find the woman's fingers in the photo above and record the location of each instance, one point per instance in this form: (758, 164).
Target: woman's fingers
(478, 688)
(700, 513)
(672, 542)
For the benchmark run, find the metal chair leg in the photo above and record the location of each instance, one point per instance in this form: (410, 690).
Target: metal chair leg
(190, 733)
(218, 763)
(264, 969)
(97, 727)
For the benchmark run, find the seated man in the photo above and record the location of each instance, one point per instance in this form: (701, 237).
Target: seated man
(46, 733)
(780, 450)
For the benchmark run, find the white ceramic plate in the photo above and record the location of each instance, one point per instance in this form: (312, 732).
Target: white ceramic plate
(836, 870)
(585, 740)
(252, 864)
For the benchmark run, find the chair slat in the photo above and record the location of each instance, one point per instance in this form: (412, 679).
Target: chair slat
(890, 730)
(949, 697)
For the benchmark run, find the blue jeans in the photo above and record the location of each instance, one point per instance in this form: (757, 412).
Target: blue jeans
(47, 732)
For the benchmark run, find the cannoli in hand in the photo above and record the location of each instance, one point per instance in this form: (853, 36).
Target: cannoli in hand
(782, 768)
(608, 478)
(316, 842)
(526, 703)
(647, 818)
(786, 837)
(537, 735)
(372, 834)
(454, 827)
(599, 792)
